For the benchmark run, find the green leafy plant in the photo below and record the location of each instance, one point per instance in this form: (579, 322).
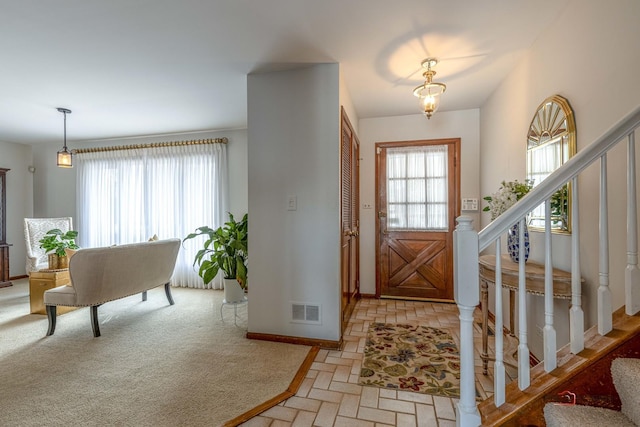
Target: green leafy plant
(56, 241)
(225, 248)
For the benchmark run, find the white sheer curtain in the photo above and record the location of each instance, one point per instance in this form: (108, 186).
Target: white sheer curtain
(127, 196)
(417, 194)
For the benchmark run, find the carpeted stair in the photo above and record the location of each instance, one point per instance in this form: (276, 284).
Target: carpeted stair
(626, 379)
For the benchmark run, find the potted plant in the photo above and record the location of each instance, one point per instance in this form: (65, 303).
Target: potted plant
(54, 243)
(225, 249)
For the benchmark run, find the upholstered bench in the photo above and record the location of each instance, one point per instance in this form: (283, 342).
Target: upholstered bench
(100, 275)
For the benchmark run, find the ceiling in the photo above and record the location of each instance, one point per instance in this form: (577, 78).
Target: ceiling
(146, 67)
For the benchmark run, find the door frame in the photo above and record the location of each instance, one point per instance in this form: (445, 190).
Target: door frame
(454, 207)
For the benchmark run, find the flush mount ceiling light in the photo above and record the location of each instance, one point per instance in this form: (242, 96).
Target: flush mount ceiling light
(65, 157)
(429, 92)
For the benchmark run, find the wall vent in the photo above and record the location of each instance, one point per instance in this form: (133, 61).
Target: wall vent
(302, 312)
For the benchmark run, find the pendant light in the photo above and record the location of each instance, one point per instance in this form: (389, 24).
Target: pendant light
(65, 157)
(429, 92)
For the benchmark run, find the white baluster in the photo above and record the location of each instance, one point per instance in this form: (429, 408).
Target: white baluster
(576, 314)
(605, 321)
(523, 348)
(498, 366)
(632, 274)
(550, 359)
(466, 286)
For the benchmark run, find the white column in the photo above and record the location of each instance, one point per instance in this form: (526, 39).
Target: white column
(498, 366)
(576, 314)
(632, 274)
(605, 321)
(466, 286)
(550, 356)
(523, 348)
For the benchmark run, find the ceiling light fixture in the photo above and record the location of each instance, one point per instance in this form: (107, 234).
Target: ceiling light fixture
(65, 157)
(429, 92)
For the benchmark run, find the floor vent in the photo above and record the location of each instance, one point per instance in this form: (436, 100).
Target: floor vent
(305, 313)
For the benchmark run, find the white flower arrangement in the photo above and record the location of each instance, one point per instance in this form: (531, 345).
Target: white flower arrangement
(506, 196)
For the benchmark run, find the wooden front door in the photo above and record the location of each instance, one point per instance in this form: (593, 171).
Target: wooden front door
(417, 201)
(350, 220)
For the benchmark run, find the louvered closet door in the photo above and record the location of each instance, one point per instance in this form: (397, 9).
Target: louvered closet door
(417, 201)
(350, 250)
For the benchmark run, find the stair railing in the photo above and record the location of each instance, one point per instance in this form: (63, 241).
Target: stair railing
(468, 244)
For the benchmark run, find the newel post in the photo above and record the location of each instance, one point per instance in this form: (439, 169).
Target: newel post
(467, 295)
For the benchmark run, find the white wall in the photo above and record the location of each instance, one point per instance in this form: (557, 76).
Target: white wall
(589, 56)
(293, 140)
(456, 124)
(17, 157)
(347, 104)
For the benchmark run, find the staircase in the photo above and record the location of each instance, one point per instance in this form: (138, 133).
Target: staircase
(614, 332)
(586, 376)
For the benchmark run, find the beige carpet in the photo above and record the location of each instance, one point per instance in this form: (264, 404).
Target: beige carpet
(154, 365)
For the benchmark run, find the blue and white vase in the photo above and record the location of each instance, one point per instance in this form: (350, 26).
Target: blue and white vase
(513, 242)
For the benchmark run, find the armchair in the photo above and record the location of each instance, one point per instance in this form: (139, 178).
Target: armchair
(34, 230)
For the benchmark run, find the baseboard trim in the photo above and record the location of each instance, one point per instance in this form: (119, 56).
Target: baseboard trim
(290, 392)
(400, 298)
(313, 342)
(24, 276)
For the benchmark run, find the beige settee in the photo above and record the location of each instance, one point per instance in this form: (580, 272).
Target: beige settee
(100, 275)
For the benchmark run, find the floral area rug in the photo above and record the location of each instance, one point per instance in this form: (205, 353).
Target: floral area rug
(413, 358)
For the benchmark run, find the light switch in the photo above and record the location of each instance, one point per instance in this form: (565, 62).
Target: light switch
(293, 203)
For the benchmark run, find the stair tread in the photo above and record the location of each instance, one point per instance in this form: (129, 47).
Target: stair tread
(583, 416)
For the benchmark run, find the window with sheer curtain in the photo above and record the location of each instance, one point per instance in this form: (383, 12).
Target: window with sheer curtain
(129, 195)
(541, 162)
(417, 194)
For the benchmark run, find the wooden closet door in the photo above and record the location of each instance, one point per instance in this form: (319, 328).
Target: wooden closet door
(350, 219)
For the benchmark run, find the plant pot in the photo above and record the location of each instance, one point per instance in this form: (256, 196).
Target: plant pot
(513, 243)
(57, 262)
(233, 293)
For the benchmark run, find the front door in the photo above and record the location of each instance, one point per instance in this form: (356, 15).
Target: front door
(417, 201)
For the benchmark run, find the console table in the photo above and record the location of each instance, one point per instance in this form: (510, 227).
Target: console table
(4, 246)
(534, 280)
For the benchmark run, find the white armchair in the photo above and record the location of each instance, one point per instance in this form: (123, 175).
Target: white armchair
(34, 230)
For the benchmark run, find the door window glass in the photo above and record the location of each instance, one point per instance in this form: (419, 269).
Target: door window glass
(417, 197)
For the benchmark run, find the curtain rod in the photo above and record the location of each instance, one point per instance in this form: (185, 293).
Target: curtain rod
(152, 145)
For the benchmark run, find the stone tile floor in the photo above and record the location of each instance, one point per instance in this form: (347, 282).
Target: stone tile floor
(330, 394)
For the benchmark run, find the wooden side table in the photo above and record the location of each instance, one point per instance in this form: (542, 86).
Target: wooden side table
(43, 280)
(534, 281)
